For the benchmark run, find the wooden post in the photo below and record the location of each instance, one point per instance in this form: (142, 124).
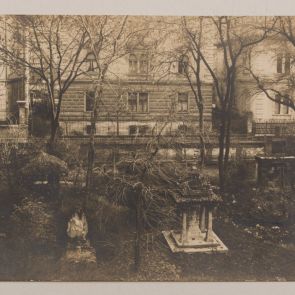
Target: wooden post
(203, 219)
(118, 126)
(137, 258)
(209, 235)
(259, 173)
(184, 228)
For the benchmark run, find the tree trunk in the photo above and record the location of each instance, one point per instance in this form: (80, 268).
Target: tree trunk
(137, 256)
(228, 120)
(54, 184)
(227, 144)
(221, 152)
(52, 139)
(202, 140)
(91, 156)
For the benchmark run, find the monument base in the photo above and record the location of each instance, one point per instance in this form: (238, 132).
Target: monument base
(194, 246)
(82, 253)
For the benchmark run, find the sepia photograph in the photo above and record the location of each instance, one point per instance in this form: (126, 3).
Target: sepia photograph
(147, 148)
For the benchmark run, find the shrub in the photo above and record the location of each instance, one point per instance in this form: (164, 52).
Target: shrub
(34, 225)
(40, 127)
(266, 207)
(240, 175)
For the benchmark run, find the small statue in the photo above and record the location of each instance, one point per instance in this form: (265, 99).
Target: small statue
(77, 226)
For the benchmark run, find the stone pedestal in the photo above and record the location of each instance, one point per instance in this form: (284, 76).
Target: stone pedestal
(196, 234)
(77, 255)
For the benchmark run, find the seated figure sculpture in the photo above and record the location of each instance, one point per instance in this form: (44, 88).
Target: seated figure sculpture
(77, 226)
(79, 249)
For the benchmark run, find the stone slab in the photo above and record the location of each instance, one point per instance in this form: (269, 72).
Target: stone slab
(197, 243)
(220, 248)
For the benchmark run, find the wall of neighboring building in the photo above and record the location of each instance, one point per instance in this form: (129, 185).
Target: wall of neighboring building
(263, 62)
(3, 101)
(162, 106)
(15, 93)
(3, 93)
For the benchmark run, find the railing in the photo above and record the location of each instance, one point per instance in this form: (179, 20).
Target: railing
(10, 130)
(283, 128)
(9, 118)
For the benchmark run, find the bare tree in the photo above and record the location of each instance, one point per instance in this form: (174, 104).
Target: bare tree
(234, 36)
(192, 71)
(283, 32)
(106, 45)
(51, 49)
(141, 181)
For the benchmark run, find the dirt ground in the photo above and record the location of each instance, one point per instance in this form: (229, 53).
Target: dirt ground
(249, 259)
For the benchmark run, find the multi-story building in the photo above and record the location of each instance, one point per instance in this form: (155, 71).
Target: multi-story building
(271, 62)
(140, 100)
(134, 102)
(14, 106)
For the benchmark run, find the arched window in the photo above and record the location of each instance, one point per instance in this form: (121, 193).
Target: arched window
(132, 64)
(91, 60)
(183, 64)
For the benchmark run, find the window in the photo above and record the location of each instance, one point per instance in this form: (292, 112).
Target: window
(143, 129)
(283, 63)
(132, 102)
(183, 65)
(132, 130)
(287, 64)
(277, 108)
(143, 102)
(91, 59)
(89, 101)
(88, 129)
(182, 102)
(132, 64)
(138, 102)
(138, 130)
(280, 108)
(138, 64)
(183, 128)
(143, 64)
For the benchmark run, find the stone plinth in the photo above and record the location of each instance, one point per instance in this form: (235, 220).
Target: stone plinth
(79, 255)
(197, 246)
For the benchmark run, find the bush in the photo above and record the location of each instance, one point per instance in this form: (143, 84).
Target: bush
(103, 217)
(240, 175)
(265, 207)
(40, 127)
(34, 225)
(106, 221)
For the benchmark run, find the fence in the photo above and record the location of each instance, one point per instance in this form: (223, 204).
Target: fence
(274, 128)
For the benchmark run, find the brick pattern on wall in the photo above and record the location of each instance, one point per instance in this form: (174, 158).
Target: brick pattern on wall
(113, 107)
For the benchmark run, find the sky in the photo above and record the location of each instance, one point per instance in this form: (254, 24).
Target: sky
(158, 7)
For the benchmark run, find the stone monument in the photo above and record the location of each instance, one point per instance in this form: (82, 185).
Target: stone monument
(195, 203)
